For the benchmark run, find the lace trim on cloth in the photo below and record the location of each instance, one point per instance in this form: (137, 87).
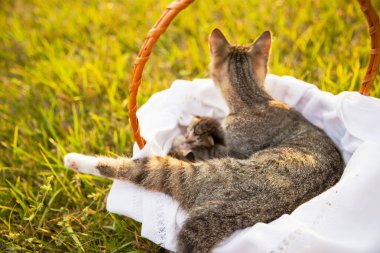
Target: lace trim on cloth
(160, 232)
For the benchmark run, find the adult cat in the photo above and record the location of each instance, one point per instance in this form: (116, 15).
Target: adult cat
(276, 160)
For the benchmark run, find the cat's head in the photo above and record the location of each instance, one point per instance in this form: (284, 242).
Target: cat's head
(223, 56)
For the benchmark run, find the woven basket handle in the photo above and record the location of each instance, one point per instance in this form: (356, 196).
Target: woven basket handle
(159, 28)
(175, 7)
(374, 60)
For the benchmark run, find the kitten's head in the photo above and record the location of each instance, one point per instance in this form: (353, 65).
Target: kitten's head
(223, 56)
(204, 132)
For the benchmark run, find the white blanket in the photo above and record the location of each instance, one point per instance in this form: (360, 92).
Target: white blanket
(345, 218)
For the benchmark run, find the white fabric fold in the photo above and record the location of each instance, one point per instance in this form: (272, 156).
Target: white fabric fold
(343, 219)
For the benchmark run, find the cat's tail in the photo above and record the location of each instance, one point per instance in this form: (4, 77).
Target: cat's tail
(215, 221)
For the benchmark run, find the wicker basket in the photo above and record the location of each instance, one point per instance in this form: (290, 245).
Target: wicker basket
(175, 7)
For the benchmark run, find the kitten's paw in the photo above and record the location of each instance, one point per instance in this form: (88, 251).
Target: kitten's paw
(82, 163)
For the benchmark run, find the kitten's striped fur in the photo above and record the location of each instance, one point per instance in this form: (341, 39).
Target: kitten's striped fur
(276, 159)
(204, 139)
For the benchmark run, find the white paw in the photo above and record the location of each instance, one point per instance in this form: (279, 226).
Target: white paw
(82, 163)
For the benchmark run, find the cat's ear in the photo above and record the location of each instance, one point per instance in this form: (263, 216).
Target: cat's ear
(219, 45)
(262, 45)
(260, 51)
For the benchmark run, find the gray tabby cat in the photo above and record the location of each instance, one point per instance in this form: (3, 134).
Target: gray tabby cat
(204, 139)
(276, 159)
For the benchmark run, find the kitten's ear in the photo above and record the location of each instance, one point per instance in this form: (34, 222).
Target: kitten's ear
(190, 156)
(196, 118)
(209, 141)
(259, 52)
(219, 45)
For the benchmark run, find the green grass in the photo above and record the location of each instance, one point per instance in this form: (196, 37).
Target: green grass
(64, 73)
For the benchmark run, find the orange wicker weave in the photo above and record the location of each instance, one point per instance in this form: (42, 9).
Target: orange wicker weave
(175, 7)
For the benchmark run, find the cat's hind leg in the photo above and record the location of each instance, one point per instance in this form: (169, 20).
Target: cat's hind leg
(214, 222)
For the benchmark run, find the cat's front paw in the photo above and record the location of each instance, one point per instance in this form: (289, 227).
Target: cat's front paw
(82, 163)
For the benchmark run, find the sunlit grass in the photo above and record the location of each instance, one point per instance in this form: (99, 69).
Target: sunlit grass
(64, 73)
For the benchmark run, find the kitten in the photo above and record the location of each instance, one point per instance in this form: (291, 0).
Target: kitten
(276, 159)
(204, 139)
